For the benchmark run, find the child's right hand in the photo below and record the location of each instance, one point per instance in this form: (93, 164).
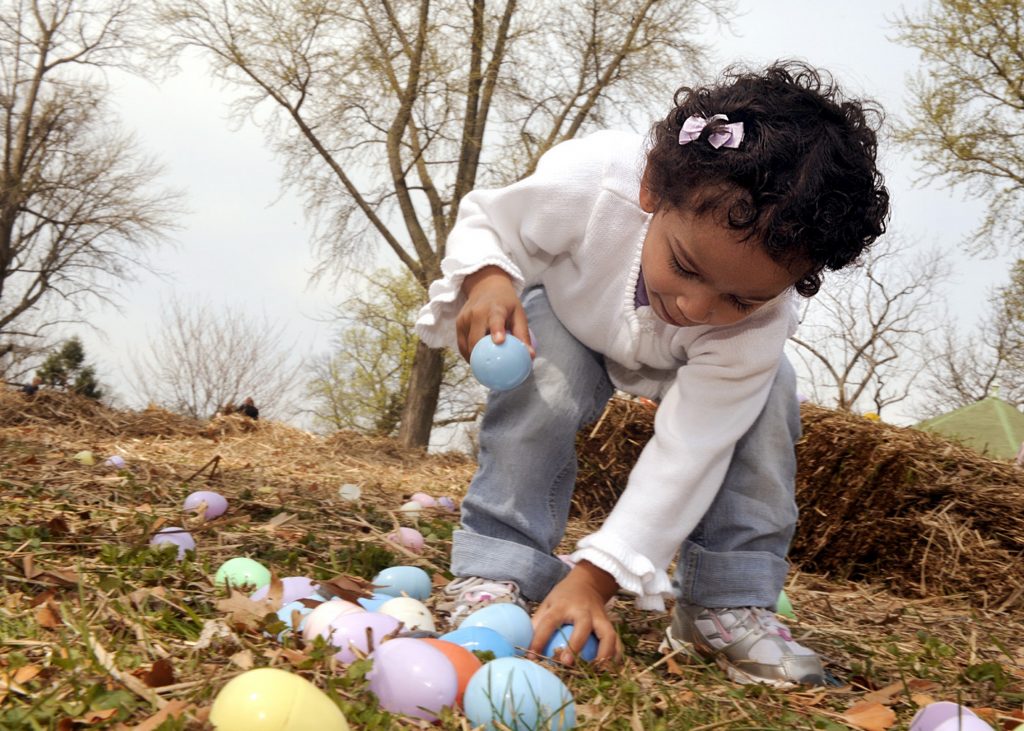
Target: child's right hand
(492, 306)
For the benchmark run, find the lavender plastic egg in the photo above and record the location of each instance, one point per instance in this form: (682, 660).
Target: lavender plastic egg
(293, 587)
(501, 367)
(318, 622)
(216, 504)
(447, 503)
(412, 678)
(115, 460)
(360, 632)
(174, 536)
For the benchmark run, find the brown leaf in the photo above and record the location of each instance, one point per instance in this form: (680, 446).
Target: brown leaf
(173, 709)
(918, 685)
(161, 674)
(28, 567)
(922, 699)
(884, 695)
(48, 615)
(57, 526)
(277, 521)
(243, 659)
(42, 598)
(90, 717)
(349, 588)
(26, 673)
(243, 612)
(870, 716)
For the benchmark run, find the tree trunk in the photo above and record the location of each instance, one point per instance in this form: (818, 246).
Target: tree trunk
(421, 397)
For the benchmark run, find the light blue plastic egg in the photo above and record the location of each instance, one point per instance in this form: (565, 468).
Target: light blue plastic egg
(520, 695)
(501, 367)
(285, 615)
(480, 639)
(561, 638)
(509, 620)
(403, 581)
(375, 602)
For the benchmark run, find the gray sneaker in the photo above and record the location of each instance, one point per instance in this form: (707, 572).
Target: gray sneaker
(465, 595)
(749, 643)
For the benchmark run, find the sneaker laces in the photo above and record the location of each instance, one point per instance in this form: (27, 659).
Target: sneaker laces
(473, 591)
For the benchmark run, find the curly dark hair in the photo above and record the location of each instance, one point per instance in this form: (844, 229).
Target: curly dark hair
(803, 182)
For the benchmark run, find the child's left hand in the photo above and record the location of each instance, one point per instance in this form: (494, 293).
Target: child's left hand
(579, 599)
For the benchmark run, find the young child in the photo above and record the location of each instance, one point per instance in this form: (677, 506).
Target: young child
(665, 268)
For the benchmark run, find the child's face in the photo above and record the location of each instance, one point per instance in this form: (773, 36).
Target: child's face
(700, 272)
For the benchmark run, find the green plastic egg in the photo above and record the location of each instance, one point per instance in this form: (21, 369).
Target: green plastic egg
(783, 606)
(242, 572)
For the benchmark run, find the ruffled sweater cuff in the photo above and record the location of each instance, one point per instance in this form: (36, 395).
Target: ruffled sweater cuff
(634, 572)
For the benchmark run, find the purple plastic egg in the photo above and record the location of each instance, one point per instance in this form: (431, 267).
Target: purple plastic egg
(424, 499)
(216, 504)
(407, 537)
(115, 460)
(447, 503)
(174, 536)
(362, 631)
(412, 678)
(294, 587)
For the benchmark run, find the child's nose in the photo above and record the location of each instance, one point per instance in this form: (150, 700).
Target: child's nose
(697, 306)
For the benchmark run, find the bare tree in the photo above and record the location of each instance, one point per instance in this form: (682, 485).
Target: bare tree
(964, 369)
(387, 112)
(78, 206)
(361, 384)
(967, 107)
(861, 339)
(201, 360)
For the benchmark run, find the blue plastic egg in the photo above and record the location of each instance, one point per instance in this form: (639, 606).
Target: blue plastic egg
(509, 620)
(561, 638)
(285, 615)
(480, 639)
(501, 367)
(375, 602)
(520, 695)
(403, 581)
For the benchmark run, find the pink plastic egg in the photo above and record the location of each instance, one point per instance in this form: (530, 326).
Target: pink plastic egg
(216, 504)
(424, 499)
(412, 678)
(408, 538)
(319, 620)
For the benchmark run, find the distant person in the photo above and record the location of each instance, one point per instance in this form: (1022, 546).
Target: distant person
(248, 408)
(31, 389)
(668, 268)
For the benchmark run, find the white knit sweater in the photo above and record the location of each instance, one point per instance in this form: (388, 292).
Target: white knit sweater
(576, 227)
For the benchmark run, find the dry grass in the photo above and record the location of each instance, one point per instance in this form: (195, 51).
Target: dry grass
(87, 613)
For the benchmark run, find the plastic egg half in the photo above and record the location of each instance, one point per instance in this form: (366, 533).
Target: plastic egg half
(292, 588)
(212, 504)
(501, 367)
(403, 580)
(480, 639)
(407, 538)
(174, 536)
(412, 510)
(115, 460)
(783, 606)
(561, 639)
(268, 699)
(447, 503)
(465, 662)
(85, 457)
(412, 613)
(519, 694)
(318, 622)
(242, 572)
(413, 678)
(375, 602)
(349, 492)
(360, 633)
(947, 716)
(294, 615)
(509, 620)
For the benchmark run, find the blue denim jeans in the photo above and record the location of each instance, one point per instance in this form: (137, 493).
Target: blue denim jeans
(515, 512)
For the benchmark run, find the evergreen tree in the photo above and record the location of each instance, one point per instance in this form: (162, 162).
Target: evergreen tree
(65, 369)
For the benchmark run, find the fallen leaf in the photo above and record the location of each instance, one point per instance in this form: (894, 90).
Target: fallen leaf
(161, 674)
(277, 521)
(243, 612)
(173, 709)
(213, 630)
(349, 588)
(48, 615)
(922, 699)
(42, 598)
(884, 695)
(28, 567)
(870, 716)
(243, 659)
(57, 526)
(917, 685)
(26, 673)
(91, 717)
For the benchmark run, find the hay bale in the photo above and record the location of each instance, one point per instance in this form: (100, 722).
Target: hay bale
(924, 514)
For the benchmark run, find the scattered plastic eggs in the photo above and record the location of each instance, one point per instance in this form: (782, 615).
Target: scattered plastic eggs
(412, 510)
(412, 613)
(318, 622)
(560, 639)
(375, 602)
(412, 678)
(85, 457)
(407, 538)
(212, 504)
(268, 699)
(174, 536)
(509, 620)
(403, 580)
(115, 460)
(447, 503)
(480, 639)
(465, 663)
(947, 716)
(242, 572)
(520, 695)
(360, 633)
(783, 606)
(424, 499)
(292, 588)
(501, 367)
(350, 492)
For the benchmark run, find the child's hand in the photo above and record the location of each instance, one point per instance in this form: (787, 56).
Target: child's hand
(579, 599)
(491, 306)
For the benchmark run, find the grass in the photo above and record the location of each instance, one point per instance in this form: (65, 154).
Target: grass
(100, 631)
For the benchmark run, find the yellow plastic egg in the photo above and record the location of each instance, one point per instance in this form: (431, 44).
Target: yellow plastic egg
(268, 699)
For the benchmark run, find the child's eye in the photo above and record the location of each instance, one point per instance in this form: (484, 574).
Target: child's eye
(678, 268)
(741, 305)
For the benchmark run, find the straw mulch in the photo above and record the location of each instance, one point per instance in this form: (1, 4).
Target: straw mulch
(925, 515)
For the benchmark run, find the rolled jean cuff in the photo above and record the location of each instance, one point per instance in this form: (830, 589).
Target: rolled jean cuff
(729, 579)
(493, 558)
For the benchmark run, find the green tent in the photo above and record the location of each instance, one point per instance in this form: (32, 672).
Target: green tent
(991, 426)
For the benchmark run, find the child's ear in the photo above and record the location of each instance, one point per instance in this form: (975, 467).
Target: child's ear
(648, 201)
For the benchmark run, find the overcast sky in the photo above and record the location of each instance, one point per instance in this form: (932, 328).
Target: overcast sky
(245, 244)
